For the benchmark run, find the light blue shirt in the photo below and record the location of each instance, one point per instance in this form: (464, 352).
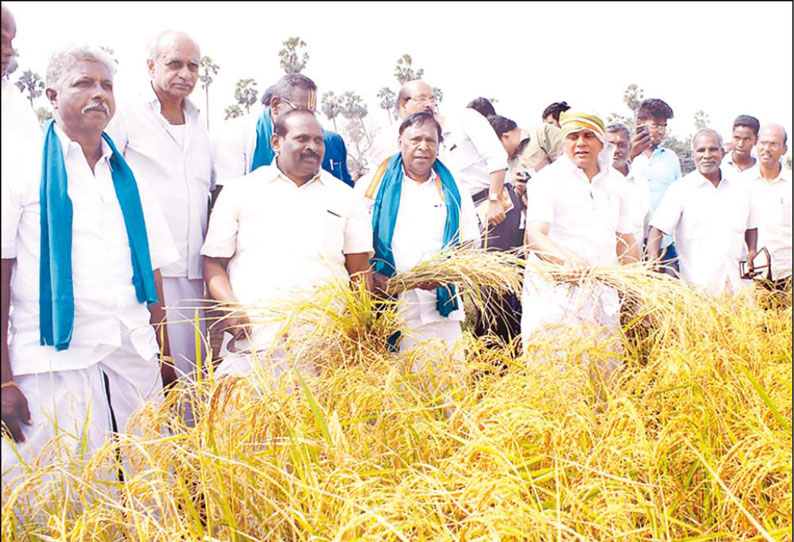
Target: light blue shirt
(661, 169)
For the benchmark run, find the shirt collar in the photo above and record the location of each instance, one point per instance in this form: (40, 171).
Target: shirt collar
(150, 96)
(723, 177)
(67, 144)
(430, 179)
(783, 176)
(603, 165)
(276, 174)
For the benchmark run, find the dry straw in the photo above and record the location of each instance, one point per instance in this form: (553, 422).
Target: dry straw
(689, 439)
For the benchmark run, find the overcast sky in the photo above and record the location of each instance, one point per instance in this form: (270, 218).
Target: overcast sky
(725, 58)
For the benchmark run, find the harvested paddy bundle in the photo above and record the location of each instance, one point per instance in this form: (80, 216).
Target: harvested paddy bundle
(688, 439)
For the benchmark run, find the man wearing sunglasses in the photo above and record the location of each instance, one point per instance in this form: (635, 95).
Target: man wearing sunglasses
(244, 144)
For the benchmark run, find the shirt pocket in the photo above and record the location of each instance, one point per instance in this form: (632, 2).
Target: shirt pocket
(332, 236)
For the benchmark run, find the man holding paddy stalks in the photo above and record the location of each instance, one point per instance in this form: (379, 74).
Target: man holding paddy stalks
(278, 231)
(417, 210)
(712, 215)
(578, 216)
(82, 244)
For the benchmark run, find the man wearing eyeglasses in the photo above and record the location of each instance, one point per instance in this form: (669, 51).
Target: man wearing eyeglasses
(244, 144)
(656, 163)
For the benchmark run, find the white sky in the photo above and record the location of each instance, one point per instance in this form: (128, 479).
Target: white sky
(526, 55)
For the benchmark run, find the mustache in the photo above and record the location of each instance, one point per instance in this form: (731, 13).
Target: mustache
(96, 106)
(310, 154)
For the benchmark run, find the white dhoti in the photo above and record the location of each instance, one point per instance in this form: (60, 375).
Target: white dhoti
(81, 407)
(423, 323)
(566, 311)
(183, 298)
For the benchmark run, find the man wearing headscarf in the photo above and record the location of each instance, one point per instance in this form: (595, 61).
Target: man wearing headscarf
(577, 217)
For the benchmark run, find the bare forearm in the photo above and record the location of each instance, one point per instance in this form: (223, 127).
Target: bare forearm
(5, 293)
(654, 248)
(217, 279)
(751, 238)
(157, 315)
(546, 249)
(497, 183)
(358, 268)
(627, 249)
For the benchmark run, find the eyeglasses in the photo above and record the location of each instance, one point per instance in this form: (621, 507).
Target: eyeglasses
(654, 126)
(422, 99)
(293, 106)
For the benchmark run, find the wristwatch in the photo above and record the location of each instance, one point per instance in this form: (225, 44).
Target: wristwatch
(493, 197)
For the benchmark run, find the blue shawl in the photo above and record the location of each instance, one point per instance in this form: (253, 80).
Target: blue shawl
(56, 289)
(384, 218)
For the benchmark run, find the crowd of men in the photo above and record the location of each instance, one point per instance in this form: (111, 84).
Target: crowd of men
(118, 218)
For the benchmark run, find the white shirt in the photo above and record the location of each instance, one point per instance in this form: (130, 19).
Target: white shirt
(178, 173)
(730, 168)
(21, 134)
(709, 225)
(419, 234)
(283, 239)
(104, 296)
(583, 216)
(773, 210)
(233, 147)
(639, 198)
(472, 149)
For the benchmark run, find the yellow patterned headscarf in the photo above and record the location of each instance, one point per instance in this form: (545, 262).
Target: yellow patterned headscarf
(576, 121)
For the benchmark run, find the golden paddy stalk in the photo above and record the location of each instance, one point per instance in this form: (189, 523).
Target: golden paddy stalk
(689, 439)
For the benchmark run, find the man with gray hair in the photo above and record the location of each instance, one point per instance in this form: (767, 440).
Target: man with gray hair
(244, 143)
(712, 216)
(637, 189)
(82, 245)
(165, 141)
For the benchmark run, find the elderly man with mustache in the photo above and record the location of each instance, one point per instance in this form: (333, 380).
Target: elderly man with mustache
(82, 244)
(712, 215)
(165, 141)
(280, 231)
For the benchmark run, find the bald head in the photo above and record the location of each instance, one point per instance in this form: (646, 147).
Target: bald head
(174, 61)
(9, 31)
(415, 96)
(771, 145)
(167, 39)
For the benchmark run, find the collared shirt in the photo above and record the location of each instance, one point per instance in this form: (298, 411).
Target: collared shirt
(284, 239)
(177, 169)
(539, 147)
(773, 210)
(583, 216)
(419, 234)
(472, 149)
(709, 225)
(234, 145)
(662, 169)
(730, 167)
(104, 296)
(21, 134)
(639, 198)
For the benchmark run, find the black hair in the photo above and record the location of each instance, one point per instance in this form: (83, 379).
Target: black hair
(654, 108)
(418, 119)
(280, 127)
(284, 87)
(555, 110)
(749, 122)
(502, 125)
(483, 106)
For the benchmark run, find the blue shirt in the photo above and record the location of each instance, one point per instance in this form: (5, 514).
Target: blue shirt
(661, 169)
(335, 159)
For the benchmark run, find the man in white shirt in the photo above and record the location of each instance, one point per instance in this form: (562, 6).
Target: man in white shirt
(417, 201)
(83, 354)
(772, 185)
(21, 133)
(712, 216)
(165, 142)
(413, 97)
(279, 231)
(743, 138)
(619, 136)
(577, 216)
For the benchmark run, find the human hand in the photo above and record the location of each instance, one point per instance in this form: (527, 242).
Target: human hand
(380, 284)
(640, 142)
(14, 410)
(428, 285)
(495, 213)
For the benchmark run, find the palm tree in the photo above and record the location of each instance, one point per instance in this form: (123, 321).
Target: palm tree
(208, 70)
(31, 82)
